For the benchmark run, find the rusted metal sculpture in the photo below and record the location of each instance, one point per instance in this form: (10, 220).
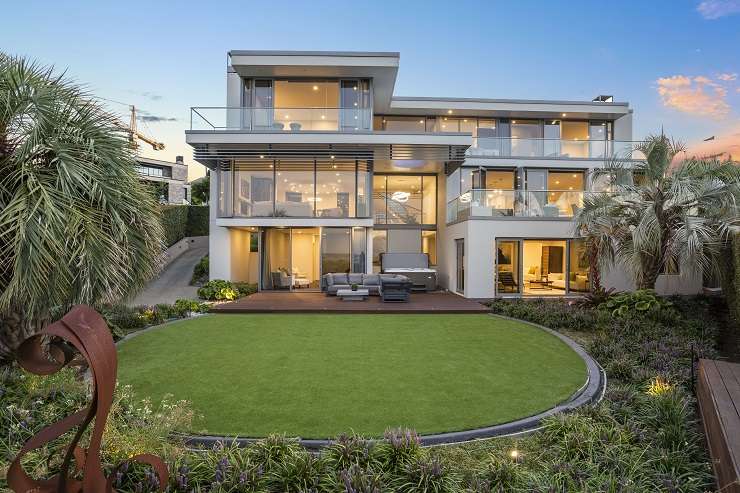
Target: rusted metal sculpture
(84, 330)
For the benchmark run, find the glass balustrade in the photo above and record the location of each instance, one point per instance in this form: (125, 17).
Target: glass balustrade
(281, 119)
(516, 203)
(551, 148)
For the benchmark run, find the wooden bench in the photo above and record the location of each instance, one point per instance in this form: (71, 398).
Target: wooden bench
(718, 393)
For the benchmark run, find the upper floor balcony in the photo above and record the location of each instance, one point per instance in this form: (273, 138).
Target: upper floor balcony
(485, 147)
(499, 203)
(281, 119)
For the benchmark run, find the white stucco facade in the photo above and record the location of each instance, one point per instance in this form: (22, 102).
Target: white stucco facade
(495, 165)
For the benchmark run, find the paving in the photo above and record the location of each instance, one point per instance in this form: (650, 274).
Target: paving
(173, 282)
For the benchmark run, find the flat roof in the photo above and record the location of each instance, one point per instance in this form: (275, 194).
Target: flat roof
(313, 53)
(497, 100)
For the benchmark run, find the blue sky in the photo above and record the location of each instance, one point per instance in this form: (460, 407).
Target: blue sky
(676, 61)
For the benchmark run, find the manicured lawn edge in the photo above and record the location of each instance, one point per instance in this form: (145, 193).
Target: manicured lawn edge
(590, 393)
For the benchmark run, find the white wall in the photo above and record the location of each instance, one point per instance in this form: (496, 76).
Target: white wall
(623, 128)
(219, 241)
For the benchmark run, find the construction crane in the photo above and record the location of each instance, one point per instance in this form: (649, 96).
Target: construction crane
(134, 134)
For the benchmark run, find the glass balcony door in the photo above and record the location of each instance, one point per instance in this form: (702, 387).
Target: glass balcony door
(291, 259)
(263, 106)
(354, 104)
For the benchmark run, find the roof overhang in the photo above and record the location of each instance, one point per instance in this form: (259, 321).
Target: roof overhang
(382, 67)
(403, 150)
(520, 108)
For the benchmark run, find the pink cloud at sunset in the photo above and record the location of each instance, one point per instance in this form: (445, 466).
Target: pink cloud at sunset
(696, 95)
(727, 144)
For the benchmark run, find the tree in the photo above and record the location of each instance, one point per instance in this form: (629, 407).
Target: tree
(200, 190)
(662, 216)
(76, 224)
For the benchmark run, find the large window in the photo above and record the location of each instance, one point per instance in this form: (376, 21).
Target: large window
(335, 189)
(404, 199)
(336, 250)
(380, 246)
(265, 187)
(541, 267)
(294, 191)
(253, 191)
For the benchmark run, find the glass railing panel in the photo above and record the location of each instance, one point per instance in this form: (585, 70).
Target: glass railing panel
(552, 203)
(488, 203)
(552, 148)
(281, 119)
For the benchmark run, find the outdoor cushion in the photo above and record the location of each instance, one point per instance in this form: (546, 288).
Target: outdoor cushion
(340, 278)
(371, 280)
(355, 278)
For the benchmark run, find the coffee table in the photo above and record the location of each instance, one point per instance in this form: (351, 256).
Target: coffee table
(543, 284)
(349, 295)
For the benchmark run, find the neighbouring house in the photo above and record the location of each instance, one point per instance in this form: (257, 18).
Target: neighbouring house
(167, 179)
(317, 168)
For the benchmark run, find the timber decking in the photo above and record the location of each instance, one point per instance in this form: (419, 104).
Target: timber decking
(314, 302)
(718, 393)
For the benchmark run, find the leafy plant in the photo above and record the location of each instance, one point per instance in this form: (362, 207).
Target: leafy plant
(640, 301)
(218, 290)
(662, 216)
(200, 272)
(595, 297)
(78, 225)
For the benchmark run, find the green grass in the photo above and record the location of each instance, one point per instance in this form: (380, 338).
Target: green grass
(316, 376)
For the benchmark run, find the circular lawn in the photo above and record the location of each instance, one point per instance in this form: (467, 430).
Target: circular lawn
(316, 375)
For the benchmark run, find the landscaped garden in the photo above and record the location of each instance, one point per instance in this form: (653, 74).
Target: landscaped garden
(316, 376)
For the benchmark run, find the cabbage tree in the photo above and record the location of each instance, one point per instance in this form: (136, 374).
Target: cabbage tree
(76, 224)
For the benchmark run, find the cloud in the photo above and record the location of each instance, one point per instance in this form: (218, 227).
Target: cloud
(726, 143)
(696, 95)
(714, 9)
(727, 77)
(145, 116)
(152, 96)
(156, 119)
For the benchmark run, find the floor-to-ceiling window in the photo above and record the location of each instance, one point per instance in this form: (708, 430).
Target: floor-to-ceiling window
(541, 267)
(507, 267)
(460, 266)
(405, 210)
(578, 271)
(336, 245)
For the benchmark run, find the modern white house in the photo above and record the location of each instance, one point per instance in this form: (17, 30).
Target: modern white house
(317, 168)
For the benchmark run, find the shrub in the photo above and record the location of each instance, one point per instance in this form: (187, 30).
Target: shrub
(400, 448)
(245, 288)
(640, 301)
(200, 272)
(122, 319)
(218, 290)
(184, 308)
(427, 475)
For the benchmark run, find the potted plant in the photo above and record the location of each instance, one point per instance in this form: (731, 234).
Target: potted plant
(354, 287)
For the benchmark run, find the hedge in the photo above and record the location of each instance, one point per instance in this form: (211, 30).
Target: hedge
(731, 281)
(198, 218)
(180, 221)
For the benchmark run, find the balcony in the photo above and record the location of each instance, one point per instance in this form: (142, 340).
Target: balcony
(552, 148)
(481, 203)
(281, 119)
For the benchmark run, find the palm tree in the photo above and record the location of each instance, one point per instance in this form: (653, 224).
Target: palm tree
(76, 224)
(662, 216)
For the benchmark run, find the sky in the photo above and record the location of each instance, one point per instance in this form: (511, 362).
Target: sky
(677, 62)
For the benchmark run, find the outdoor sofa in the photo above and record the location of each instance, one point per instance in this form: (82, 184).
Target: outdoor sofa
(390, 287)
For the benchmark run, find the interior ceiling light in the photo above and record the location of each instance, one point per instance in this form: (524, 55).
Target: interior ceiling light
(565, 114)
(400, 196)
(315, 88)
(449, 112)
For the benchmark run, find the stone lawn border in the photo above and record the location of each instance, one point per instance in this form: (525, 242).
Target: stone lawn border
(591, 392)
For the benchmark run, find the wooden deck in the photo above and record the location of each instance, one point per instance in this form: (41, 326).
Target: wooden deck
(718, 393)
(314, 302)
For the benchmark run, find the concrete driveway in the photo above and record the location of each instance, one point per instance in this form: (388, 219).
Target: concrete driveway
(173, 282)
